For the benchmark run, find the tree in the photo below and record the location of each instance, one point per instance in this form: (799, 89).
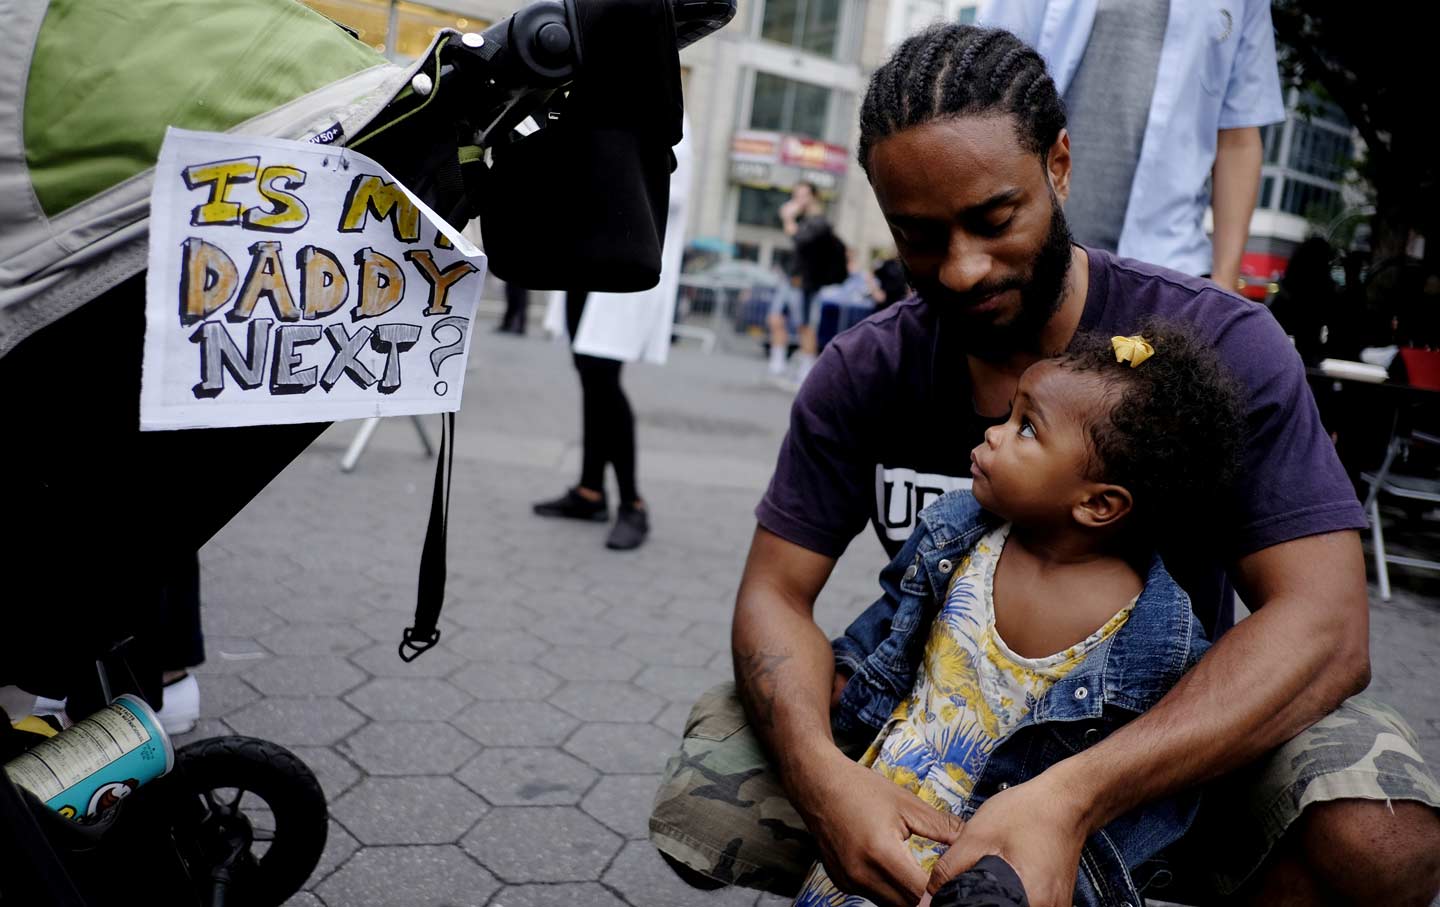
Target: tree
(1370, 59)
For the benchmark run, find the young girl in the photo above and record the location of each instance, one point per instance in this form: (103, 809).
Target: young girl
(1044, 617)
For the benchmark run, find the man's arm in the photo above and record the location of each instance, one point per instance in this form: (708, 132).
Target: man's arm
(1235, 183)
(784, 670)
(1303, 652)
(790, 217)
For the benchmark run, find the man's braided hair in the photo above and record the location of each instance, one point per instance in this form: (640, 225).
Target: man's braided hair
(959, 70)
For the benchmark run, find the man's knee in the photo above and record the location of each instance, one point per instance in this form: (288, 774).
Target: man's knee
(1374, 851)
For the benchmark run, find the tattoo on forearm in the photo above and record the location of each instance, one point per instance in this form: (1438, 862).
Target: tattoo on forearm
(755, 679)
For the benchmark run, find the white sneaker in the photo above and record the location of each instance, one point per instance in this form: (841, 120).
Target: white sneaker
(182, 706)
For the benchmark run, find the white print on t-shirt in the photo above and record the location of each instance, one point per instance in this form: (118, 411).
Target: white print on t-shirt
(901, 493)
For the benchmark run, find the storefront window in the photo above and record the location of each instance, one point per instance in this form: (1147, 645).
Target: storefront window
(784, 105)
(415, 23)
(761, 207)
(812, 25)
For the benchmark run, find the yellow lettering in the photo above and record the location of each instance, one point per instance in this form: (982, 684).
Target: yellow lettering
(440, 281)
(287, 212)
(265, 278)
(382, 284)
(219, 176)
(207, 279)
(323, 284)
(371, 194)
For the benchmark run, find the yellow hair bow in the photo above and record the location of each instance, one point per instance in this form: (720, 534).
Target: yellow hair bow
(1134, 350)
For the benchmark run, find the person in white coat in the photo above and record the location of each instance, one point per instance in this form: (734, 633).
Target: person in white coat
(606, 331)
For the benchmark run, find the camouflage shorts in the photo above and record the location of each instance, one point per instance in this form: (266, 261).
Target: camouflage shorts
(721, 810)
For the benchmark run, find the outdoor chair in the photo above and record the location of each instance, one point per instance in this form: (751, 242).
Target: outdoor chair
(1403, 473)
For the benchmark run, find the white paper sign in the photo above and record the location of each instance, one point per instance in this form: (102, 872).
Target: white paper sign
(294, 282)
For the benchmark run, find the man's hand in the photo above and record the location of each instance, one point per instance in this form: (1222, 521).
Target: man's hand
(1035, 828)
(862, 821)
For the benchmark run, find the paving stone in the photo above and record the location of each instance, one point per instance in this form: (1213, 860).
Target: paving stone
(491, 615)
(296, 722)
(220, 617)
(230, 655)
(674, 718)
(323, 595)
(383, 660)
(589, 662)
(604, 701)
(679, 684)
(567, 894)
(495, 645)
(409, 876)
(296, 675)
(408, 699)
(221, 694)
(314, 639)
(645, 623)
(712, 635)
(335, 773)
(622, 748)
(527, 776)
(542, 844)
(623, 802)
(505, 680)
(591, 633)
(409, 748)
(644, 880)
(340, 845)
(435, 810)
(204, 729)
(516, 723)
(655, 649)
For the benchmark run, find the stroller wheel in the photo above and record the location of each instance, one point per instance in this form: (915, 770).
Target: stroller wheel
(249, 819)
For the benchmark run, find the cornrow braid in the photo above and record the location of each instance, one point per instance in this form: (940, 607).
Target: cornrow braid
(952, 70)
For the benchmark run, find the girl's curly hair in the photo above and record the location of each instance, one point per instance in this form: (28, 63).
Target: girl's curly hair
(1174, 430)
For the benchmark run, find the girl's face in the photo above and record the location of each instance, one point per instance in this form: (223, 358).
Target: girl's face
(1033, 469)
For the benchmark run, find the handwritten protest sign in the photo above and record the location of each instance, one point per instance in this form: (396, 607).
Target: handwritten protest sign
(296, 282)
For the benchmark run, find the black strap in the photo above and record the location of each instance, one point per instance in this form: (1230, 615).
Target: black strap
(431, 594)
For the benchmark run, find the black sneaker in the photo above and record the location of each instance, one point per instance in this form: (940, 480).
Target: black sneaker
(631, 526)
(572, 505)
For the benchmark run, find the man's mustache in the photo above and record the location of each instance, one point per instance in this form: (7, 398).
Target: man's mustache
(934, 291)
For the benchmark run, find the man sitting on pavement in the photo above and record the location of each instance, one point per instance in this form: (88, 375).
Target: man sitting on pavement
(1314, 794)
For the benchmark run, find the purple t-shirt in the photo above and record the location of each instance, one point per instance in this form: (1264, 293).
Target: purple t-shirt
(884, 425)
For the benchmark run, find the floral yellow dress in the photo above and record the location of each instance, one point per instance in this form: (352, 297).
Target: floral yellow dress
(971, 692)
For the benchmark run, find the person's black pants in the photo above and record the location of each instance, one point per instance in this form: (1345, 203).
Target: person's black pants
(607, 423)
(517, 299)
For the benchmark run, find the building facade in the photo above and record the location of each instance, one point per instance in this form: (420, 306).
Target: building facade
(774, 99)
(1303, 182)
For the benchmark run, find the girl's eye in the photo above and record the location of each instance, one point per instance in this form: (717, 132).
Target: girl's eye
(1027, 430)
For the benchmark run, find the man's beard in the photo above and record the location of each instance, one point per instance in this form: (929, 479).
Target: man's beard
(1041, 292)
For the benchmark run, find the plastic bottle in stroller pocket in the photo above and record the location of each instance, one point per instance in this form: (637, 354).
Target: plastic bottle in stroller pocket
(93, 764)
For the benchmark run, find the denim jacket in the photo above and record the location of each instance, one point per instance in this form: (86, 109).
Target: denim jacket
(1123, 677)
